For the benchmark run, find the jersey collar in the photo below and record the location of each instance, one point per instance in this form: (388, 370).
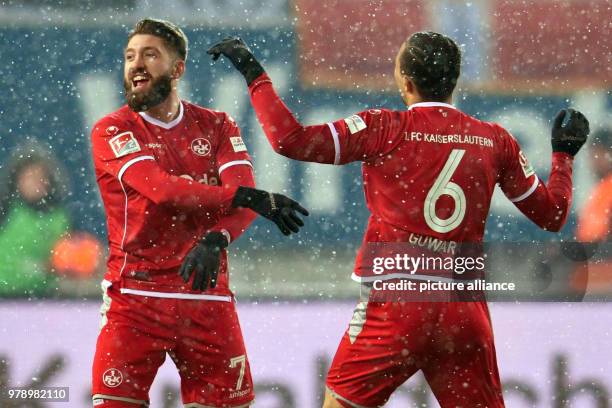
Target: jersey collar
(168, 125)
(430, 104)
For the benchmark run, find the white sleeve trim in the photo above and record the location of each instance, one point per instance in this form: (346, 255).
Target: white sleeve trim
(334, 134)
(527, 193)
(234, 163)
(129, 163)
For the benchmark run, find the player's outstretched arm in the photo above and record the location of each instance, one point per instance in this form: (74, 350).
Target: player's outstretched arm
(162, 188)
(548, 205)
(324, 143)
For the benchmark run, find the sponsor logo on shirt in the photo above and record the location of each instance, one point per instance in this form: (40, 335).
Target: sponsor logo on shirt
(154, 145)
(112, 378)
(124, 143)
(201, 147)
(238, 144)
(355, 123)
(528, 170)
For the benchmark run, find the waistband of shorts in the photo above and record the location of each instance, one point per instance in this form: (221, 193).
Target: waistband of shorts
(157, 290)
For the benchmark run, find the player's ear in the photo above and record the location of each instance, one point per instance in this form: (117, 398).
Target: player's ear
(179, 69)
(408, 85)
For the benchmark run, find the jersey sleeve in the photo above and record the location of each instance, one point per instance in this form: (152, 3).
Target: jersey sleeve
(237, 220)
(232, 150)
(359, 137)
(122, 155)
(115, 147)
(547, 205)
(364, 135)
(517, 179)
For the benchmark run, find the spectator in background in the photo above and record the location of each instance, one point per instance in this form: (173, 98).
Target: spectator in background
(595, 222)
(32, 219)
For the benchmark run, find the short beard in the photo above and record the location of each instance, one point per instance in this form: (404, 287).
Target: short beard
(143, 101)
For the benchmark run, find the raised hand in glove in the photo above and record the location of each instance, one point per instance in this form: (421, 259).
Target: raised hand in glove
(570, 136)
(240, 55)
(276, 207)
(203, 261)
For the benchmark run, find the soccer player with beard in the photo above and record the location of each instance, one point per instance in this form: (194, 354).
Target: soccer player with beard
(428, 171)
(177, 185)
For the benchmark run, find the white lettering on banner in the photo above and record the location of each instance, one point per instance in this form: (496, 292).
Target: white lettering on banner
(551, 338)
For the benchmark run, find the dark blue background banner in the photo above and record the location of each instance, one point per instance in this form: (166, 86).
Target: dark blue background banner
(57, 81)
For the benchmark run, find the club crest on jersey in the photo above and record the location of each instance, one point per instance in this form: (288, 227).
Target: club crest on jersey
(112, 378)
(525, 165)
(124, 143)
(201, 146)
(355, 123)
(112, 130)
(238, 144)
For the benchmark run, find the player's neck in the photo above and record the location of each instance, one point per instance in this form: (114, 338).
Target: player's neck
(448, 101)
(166, 111)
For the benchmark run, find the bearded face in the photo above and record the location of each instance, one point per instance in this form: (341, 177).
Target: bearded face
(143, 91)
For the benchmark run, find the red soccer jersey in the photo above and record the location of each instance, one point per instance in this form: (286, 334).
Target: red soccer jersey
(429, 172)
(161, 185)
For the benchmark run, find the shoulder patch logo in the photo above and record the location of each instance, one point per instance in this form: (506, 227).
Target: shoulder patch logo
(238, 144)
(201, 146)
(124, 143)
(355, 123)
(528, 170)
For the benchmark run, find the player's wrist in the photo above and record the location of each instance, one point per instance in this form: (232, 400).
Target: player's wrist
(247, 197)
(562, 158)
(260, 80)
(215, 239)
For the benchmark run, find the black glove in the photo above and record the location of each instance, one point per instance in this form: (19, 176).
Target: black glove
(570, 137)
(240, 55)
(276, 207)
(204, 259)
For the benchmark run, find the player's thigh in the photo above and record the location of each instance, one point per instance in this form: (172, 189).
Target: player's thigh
(128, 352)
(211, 356)
(373, 359)
(463, 371)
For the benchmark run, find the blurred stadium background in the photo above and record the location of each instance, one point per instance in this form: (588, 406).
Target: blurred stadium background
(523, 61)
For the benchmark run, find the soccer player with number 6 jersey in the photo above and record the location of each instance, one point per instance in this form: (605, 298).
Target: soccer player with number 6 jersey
(428, 171)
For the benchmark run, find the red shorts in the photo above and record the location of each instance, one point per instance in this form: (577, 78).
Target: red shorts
(202, 337)
(386, 343)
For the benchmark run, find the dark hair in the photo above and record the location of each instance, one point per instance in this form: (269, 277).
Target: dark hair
(173, 36)
(433, 63)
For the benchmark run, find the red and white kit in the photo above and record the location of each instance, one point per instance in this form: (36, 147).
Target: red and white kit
(164, 186)
(429, 173)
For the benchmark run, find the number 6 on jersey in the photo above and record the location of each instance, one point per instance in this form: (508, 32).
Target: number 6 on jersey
(443, 186)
